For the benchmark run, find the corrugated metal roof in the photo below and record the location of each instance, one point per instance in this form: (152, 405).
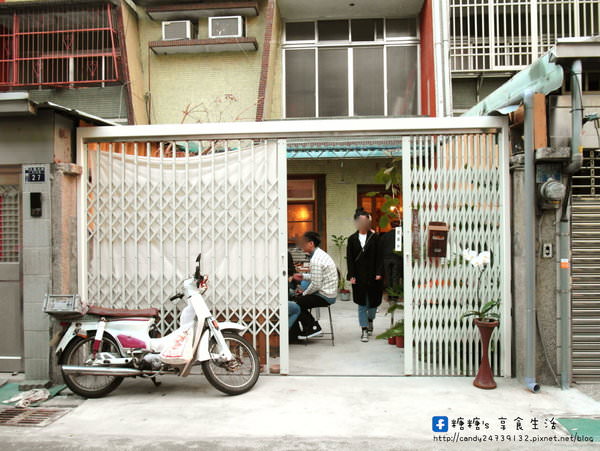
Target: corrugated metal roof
(328, 148)
(20, 103)
(104, 102)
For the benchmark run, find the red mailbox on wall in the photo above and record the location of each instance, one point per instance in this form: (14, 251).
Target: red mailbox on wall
(437, 240)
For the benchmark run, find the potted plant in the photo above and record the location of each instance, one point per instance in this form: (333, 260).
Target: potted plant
(395, 334)
(395, 294)
(340, 241)
(486, 318)
(344, 292)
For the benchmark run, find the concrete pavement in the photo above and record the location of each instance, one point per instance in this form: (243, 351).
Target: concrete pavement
(301, 412)
(349, 356)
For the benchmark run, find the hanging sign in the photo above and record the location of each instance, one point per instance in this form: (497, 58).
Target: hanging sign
(398, 239)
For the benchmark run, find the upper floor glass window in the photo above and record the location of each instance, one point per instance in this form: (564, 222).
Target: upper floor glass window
(358, 67)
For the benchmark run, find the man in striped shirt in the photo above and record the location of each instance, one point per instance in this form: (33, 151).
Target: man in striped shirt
(322, 288)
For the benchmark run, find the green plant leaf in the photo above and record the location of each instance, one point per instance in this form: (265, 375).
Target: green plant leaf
(396, 331)
(392, 308)
(489, 306)
(469, 313)
(384, 221)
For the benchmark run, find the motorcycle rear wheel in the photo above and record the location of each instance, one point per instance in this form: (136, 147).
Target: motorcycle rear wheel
(239, 380)
(76, 353)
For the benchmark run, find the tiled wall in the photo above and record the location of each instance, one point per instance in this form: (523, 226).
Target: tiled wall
(37, 278)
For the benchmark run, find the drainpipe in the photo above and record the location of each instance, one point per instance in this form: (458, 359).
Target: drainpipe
(530, 267)
(576, 119)
(445, 10)
(438, 58)
(564, 229)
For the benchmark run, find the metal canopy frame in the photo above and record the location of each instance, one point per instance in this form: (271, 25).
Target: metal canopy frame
(333, 128)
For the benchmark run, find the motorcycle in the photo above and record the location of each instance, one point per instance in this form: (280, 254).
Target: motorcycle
(100, 349)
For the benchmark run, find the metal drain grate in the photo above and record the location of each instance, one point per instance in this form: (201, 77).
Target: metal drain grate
(30, 416)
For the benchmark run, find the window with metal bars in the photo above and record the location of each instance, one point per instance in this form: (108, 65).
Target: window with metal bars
(501, 35)
(9, 223)
(58, 45)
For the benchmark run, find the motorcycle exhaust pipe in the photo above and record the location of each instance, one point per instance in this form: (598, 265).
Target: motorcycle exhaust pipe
(103, 371)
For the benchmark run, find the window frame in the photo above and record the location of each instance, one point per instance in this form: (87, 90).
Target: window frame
(349, 45)
(319, 202)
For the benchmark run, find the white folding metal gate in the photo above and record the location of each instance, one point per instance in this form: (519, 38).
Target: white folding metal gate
(153, 206)
(154, 196)
(460, 180)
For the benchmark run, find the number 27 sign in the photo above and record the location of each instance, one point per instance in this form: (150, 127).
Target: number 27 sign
(35, 174)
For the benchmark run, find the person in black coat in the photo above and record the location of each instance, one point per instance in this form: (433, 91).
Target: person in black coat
(365, 271)
(393, 266)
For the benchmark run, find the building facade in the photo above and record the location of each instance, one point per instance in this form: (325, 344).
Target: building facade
(183, 62)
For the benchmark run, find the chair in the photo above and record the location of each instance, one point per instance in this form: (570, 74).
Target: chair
(325, 335)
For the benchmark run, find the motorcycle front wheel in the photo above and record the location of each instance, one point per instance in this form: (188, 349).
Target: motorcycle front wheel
(88, 386)
(237, 378)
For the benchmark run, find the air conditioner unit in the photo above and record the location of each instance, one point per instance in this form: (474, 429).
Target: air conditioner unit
(226, 27)
(177, 29)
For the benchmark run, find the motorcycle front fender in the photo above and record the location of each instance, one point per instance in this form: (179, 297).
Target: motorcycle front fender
(225, 326)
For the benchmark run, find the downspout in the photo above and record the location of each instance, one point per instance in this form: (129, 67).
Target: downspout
(530, 266)
(564, 226)
(437, 59)
(576, 119)
(448, 106)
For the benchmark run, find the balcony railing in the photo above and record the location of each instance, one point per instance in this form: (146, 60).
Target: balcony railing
(58, 45)
(507, 35)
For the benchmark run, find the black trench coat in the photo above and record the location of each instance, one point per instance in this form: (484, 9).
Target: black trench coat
(364, 264)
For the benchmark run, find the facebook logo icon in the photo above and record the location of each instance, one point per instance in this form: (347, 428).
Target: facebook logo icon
(439, 424)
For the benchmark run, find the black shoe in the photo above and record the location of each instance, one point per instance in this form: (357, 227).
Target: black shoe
(364, 337)
(370, 327)
(315, 331)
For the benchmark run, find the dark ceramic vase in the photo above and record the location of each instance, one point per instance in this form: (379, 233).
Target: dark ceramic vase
(485, 377)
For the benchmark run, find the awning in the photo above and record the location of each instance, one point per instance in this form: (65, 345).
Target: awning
(298, 151)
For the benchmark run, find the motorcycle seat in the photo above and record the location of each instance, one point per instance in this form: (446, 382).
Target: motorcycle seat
(122, 312)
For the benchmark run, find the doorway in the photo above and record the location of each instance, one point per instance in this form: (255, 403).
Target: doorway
(11, 308)
(343, 187)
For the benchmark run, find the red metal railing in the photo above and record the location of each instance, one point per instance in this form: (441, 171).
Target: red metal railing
(59, 46)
